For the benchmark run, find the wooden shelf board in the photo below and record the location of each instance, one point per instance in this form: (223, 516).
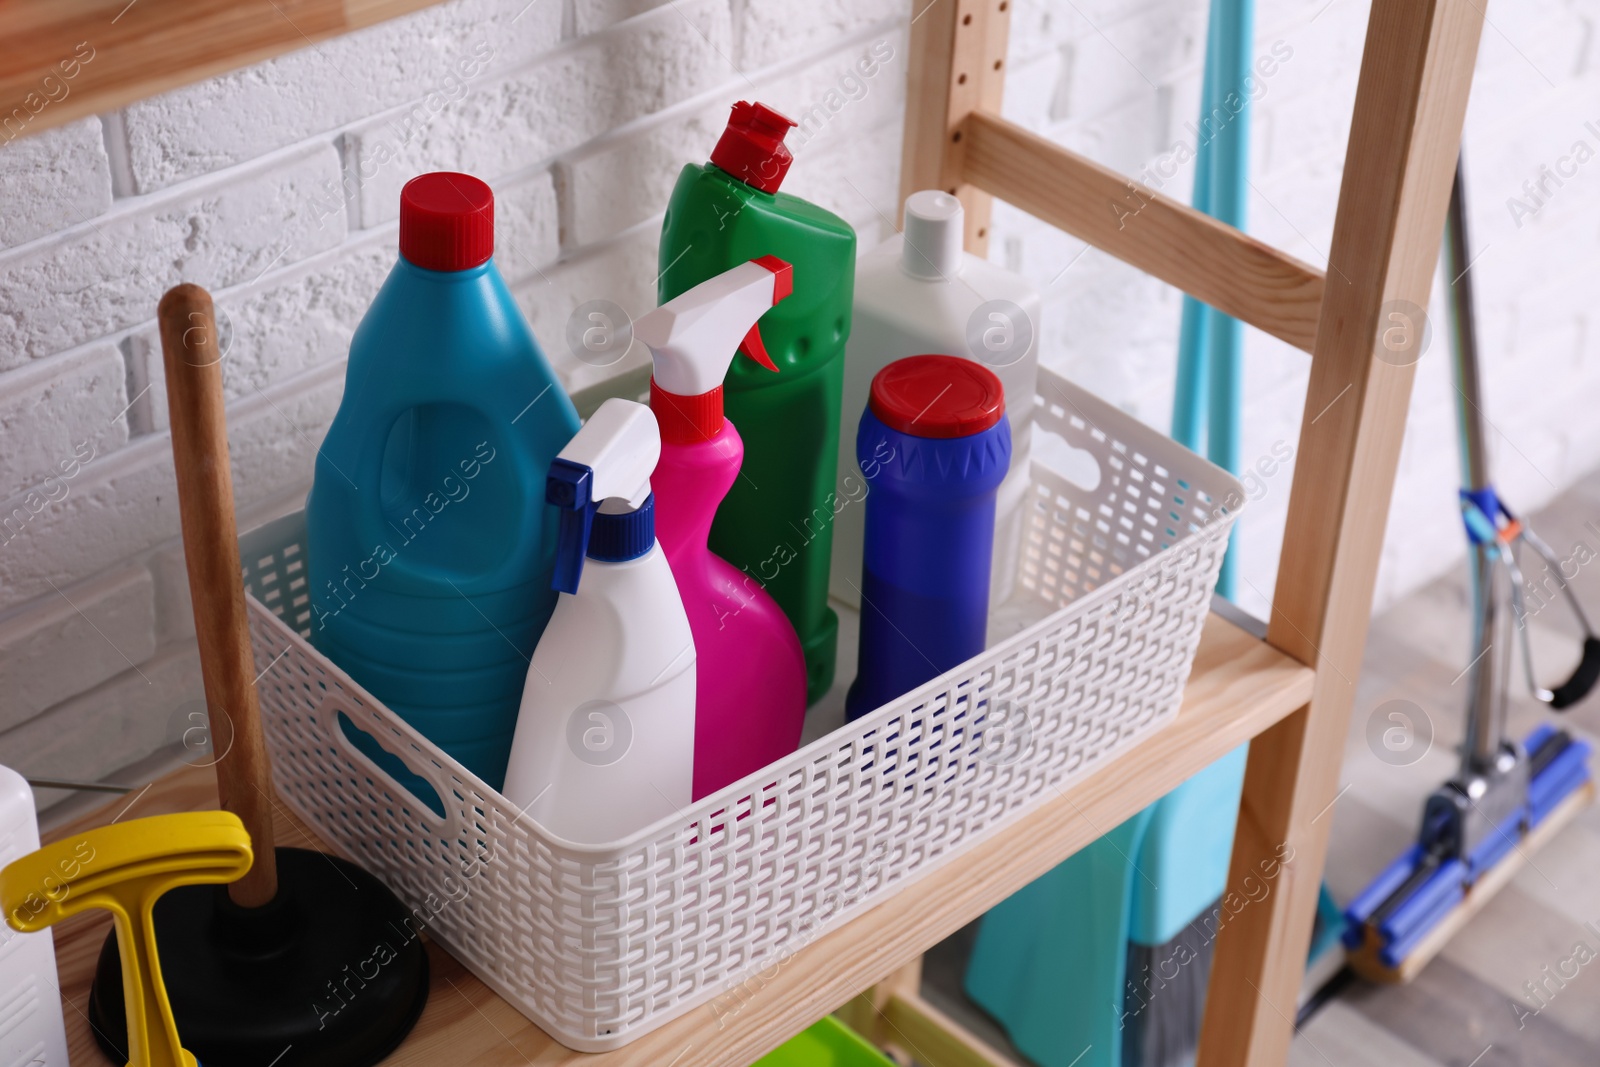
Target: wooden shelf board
(120, 51)
(1239, 687)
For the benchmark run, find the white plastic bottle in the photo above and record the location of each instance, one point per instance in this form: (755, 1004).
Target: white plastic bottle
(31, 1030)
(919, 293)
(604, 742)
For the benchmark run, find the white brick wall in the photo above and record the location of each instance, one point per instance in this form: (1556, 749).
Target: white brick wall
(67, 177)
(106, 273)
(79, 640)
(572, 96)
(276, 187)
(53, 407)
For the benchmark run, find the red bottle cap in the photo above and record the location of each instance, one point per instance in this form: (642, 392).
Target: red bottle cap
(937, 396)
(687, 420)
(752, 148)
(446, 221)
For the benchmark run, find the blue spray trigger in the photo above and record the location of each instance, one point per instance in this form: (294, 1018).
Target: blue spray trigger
(569, 487)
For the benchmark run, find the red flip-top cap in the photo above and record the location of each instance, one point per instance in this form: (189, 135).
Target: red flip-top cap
(752, 148)
(937, 396)
(446, 221)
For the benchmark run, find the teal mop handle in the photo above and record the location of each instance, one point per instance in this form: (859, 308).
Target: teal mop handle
(1210, 346)
(1230, 182)
(1195, 334)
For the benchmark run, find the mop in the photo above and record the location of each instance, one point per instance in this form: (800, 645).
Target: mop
(1507, 798)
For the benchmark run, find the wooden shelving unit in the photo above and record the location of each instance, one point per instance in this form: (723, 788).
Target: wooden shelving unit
(1289, 695)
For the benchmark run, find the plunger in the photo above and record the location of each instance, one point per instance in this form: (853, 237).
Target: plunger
(307, 960)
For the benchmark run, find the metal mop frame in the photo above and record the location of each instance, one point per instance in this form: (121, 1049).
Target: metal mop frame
(1496, 535)
(1503, 790)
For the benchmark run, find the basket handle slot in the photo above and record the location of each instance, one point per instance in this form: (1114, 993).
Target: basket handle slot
(1078, 466)
(356, 730)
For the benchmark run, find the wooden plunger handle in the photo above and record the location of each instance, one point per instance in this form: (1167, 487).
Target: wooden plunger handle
(211, 548)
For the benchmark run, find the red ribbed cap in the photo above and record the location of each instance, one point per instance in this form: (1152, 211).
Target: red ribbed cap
(937, 396)
(752, 148)
(686, 420)
(446, 221)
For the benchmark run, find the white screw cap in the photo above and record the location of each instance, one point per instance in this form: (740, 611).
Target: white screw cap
(932, 247)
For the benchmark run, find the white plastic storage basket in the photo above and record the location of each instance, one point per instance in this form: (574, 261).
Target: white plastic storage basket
(598, 945)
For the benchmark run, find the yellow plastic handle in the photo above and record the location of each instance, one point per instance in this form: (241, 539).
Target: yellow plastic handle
(125, 869)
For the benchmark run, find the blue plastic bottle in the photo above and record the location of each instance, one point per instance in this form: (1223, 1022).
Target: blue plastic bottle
(430, 547)
(933, 445)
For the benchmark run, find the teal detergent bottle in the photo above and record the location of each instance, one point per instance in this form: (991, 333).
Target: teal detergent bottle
(430, 547)
(776, 523)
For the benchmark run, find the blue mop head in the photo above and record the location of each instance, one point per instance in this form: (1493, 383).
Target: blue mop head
(1389, 919)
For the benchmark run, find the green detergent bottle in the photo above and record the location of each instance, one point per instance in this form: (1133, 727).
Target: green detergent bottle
(777, 522)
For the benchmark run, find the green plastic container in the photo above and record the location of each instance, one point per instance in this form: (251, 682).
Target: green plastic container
(777, 521)
(830, 1043)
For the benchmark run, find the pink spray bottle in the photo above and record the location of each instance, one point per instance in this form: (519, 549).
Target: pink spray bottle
(750, 701)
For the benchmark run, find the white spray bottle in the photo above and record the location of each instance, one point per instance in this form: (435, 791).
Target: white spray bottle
(605, 738)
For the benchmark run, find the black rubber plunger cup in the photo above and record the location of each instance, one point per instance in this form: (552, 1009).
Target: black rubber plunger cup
(307, 960)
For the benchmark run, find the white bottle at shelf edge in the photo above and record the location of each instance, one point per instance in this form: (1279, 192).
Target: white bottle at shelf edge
(917, 294)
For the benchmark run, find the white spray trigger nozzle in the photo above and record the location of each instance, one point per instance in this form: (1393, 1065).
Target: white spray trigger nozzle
(620, 444)
(612, 456)
(693, 337)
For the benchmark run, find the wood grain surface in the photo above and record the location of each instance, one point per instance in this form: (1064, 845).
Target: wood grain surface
(63, 59)
(956, 65)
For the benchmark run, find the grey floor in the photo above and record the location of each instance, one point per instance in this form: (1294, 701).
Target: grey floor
(1469, 1008)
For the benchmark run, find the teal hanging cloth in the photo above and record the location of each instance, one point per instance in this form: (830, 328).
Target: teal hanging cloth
(1049, 960)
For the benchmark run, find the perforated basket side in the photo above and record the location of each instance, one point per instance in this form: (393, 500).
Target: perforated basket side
(273, 557)
(1126, 494)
